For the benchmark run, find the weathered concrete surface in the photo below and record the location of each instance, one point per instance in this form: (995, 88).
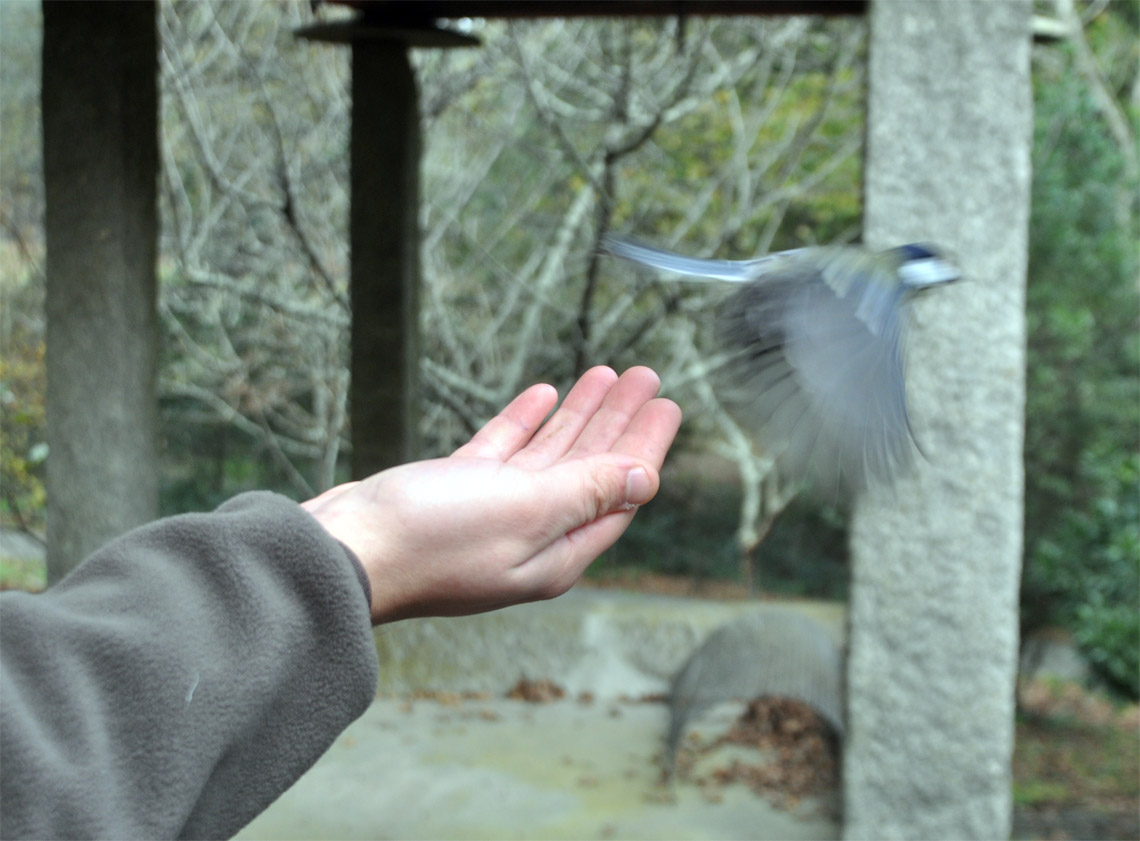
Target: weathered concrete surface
(501, 769)
(933, 640)
(495, 768)
(603, 642)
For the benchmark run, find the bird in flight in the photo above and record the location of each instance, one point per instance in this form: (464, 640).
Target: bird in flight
(813, 343)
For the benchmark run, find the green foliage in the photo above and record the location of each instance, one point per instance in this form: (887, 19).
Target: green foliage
(23, 436)
(1108, 633)
(23, 432)
(1108, 622)
(1035, 792)
(1086, 569)
(1082, 555)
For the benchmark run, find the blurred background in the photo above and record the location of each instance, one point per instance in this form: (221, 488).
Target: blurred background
(725, 136)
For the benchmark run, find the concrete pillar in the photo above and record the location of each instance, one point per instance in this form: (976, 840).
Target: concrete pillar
(100, 112)
(936, 561)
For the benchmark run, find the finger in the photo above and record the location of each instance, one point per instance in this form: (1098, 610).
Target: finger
(650, 432)
(511, 429)
(560, 432)
(633, 390)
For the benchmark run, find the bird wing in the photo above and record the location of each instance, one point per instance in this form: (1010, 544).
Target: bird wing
(817, 366)
(733, 271)
(869, 280)
(854, 378)
(814, 341)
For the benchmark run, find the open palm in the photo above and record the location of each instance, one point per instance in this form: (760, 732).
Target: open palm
(517, 513)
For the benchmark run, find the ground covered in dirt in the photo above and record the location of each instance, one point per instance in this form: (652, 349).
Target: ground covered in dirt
(791, 754)
(1076, 765)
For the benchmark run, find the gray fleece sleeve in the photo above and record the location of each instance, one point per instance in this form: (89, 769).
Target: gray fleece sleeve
(182, 677)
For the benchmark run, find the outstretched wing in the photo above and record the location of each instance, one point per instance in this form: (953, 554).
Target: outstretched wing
(817, 370)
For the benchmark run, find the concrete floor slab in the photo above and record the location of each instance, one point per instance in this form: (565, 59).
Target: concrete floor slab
(504, 769)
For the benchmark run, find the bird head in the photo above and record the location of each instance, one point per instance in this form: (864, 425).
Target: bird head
(922, 266)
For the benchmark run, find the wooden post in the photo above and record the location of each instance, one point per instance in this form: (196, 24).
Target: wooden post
(384, 236)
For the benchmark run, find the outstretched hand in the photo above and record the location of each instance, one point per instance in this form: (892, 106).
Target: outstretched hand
(517, 513)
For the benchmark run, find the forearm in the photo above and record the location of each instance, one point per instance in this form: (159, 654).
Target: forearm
(182, 678)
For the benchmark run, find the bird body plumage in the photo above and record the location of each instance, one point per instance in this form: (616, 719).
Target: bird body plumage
(815, 350)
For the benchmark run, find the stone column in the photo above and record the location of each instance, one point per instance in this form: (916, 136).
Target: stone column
(936, 560)
(100, 133)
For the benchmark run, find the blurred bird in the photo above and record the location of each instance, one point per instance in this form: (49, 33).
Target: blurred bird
(814, 346)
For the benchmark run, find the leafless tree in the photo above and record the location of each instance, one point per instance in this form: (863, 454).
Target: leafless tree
(713, 138)
(600, 124)
(254, 293)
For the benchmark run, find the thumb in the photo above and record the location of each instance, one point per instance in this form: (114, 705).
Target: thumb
(640, 486)
(582, 490)
(590, 502)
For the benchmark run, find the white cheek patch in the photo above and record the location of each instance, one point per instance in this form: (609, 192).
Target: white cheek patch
(929, 272)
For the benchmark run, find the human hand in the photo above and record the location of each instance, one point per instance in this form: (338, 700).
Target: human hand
(516, 514)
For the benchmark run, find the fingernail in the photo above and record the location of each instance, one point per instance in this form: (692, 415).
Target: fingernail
(638, 488)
